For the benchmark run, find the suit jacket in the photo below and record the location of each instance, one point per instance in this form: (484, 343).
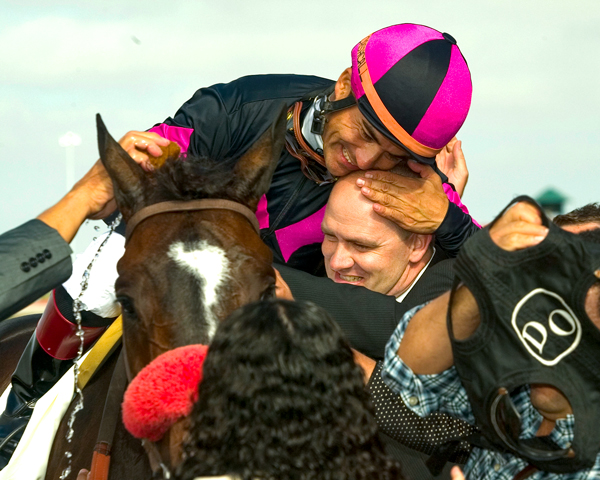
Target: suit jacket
(368, 318)
(34, 259)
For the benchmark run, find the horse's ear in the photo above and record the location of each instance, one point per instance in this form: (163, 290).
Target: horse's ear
(253, 172)
(128, 178)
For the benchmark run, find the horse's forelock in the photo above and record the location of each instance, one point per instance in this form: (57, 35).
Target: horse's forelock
(193, 178)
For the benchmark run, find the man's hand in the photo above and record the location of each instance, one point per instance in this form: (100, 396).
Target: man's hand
(418, 205)
(83, 474)
(93, 197)
(520, 227)
(90, 197)
(95, 188)
(142, 145)
(451, 161)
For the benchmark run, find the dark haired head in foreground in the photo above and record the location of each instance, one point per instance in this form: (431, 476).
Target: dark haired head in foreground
(282, 398)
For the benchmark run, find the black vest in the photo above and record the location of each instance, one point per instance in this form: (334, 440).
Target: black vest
(534, 330)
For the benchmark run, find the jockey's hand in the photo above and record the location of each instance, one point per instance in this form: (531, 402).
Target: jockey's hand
(282, 290)
(520, 227)
(451, 161)
(142, 145)
(418, 205)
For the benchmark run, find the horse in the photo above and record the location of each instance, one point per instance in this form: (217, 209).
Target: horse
(186, 266)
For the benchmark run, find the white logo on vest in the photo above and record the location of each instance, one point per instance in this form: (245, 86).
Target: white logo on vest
(546, 342)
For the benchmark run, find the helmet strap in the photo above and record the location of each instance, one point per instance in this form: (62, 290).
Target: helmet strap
(323, 106)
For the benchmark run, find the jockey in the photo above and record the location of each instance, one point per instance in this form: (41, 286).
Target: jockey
(404, 98)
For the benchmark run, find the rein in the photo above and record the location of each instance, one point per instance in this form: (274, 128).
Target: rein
(191, 205)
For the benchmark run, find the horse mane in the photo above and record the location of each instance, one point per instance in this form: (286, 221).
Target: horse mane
(193, 178)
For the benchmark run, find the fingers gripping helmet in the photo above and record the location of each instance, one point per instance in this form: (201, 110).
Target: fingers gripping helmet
(412, 83)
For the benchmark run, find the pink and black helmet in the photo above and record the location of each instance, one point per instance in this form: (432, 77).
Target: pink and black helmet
(412, 83)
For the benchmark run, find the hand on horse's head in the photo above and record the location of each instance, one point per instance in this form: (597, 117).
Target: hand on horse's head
(95, 190)
(141, 146)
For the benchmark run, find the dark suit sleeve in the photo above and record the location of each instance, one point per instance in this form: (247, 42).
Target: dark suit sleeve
(367, 318)
(34, 259)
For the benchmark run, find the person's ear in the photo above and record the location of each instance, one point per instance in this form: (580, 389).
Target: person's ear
(343, 87)
(420, 244)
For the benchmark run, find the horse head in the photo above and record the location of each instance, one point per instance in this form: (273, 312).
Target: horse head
(184, 270)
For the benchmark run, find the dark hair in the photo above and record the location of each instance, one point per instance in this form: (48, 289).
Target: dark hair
(192, 178)
(589, 213)
(282, 398)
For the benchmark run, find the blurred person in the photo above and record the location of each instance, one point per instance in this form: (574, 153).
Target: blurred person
(281, 397)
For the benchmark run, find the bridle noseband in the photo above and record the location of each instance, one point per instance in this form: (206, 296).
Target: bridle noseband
(190, 205)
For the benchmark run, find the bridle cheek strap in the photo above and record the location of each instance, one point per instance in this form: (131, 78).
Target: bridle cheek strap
(191, 205)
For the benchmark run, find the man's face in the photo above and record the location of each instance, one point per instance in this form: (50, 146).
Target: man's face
(362, 248)
(351, 143)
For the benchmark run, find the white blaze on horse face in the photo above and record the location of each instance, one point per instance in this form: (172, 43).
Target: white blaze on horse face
(208, 264)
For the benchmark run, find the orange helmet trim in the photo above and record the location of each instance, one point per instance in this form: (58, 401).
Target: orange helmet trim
(384, 115)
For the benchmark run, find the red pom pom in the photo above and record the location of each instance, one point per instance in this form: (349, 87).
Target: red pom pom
(164, 391)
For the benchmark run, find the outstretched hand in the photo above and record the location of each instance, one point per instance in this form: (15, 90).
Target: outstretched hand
(95, 188)
(418, 205)
(520, 227)
(451, 161)
(93, 196)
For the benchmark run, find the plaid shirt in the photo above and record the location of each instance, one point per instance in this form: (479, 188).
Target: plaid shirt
(443, 392)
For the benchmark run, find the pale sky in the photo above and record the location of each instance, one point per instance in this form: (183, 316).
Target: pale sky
(533, 123)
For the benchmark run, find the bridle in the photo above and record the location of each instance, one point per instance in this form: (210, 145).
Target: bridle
(158, 466)
(189, 205)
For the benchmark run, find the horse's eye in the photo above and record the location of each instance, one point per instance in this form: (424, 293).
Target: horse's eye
(268, 293)
(127, 306)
